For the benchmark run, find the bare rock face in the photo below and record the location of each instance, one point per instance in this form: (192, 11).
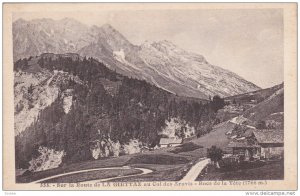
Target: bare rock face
(108, 148)
(34, 91)
(48, 159)
(192, 72)
(160, 63)
(39, 36)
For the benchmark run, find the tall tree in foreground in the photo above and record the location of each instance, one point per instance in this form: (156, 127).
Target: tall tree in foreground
(215, 154)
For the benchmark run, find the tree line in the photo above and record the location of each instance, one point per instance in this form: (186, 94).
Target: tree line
(138, 110)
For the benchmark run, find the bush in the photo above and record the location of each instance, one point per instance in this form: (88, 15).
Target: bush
(215, 154)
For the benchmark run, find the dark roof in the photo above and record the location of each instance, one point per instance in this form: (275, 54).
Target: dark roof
(248, 132)
(241, 144)
(269, 136)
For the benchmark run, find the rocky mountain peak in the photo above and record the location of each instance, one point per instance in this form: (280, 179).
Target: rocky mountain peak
(161, 63)
(108, 30)
(113, 38)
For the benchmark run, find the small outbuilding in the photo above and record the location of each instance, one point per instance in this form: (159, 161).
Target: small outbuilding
(168, 142)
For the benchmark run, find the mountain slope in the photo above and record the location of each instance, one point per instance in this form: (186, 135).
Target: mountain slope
(268, 108)
(192, 71)
(77, 108)
(160, 63)
(256, 96)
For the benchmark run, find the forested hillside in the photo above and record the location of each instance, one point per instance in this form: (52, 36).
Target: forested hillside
(98, 112)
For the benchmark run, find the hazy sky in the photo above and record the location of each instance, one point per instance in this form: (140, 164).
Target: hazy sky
(248, 42)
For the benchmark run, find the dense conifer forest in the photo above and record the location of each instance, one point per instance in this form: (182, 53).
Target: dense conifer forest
(128, 109)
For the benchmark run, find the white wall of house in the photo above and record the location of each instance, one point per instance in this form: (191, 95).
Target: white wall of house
(174, 145)
(269, 152)
(168, 145)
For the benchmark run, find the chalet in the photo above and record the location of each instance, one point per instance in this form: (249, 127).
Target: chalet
(258, 144)
(168, 142)
(245, 149)
(271, 143)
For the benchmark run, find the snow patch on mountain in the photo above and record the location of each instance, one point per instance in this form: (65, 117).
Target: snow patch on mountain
(120, 56)
(174, 69)
(191, 70)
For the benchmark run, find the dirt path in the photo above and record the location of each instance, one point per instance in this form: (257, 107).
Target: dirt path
(195, 170)
(144, 171)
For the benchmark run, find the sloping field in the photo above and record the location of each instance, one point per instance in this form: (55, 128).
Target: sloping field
(271, 105)
(259, 95)
(216, 137)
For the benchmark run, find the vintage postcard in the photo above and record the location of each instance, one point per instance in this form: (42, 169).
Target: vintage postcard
(150, 96)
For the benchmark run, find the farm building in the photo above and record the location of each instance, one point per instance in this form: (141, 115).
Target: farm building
(258, 144)
(245, 149)
(271, 142)
(168, 142)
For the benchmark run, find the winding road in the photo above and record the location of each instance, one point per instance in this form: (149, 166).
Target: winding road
(194, 172)
(144, 171)
(190, 176)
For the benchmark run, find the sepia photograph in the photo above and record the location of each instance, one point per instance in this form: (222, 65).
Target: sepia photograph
(144, 95)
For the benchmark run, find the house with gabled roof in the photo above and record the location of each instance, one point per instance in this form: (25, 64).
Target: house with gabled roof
(247, 149)
(255, 143)
(171, 141)
(271, 142)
